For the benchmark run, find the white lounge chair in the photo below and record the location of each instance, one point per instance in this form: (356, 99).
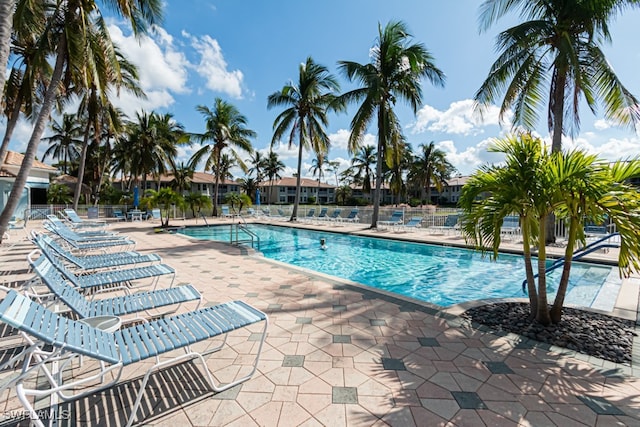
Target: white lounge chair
(413, 223)
(395, 219)
(450, 225)
(352, 217)
(51, 337)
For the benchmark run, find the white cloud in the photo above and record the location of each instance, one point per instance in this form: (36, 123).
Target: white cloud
(214, 68)
(459, 118)
(162, 69)
(601, 124)
(340, 139)
(285, 152)
(470, 158)
(612, 149)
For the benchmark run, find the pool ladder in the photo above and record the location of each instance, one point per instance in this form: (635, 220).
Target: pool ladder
(242, 227)
(609, 241)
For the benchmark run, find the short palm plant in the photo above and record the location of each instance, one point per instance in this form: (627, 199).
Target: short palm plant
(165, 199)
(534, 184)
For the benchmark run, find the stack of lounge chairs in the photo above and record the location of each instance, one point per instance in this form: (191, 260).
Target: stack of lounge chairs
(80, 305)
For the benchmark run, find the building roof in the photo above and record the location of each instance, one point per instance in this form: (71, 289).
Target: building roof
(198, 178)
(15, 159)
(291, 182)
(457, 180)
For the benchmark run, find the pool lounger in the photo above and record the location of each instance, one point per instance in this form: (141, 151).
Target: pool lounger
(92, 262)
(121, 305)
(99, 279)
(52, 337)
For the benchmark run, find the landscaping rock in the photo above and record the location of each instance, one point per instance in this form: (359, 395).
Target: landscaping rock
(595, 334)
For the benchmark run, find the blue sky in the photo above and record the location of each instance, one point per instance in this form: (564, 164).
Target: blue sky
(242, 51)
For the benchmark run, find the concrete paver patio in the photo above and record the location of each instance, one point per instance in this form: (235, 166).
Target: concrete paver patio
(337, 354)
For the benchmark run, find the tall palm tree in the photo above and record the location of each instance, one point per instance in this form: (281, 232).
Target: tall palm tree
(395, 73)
(556, 52)
(182, 177)
(401, 156)
(227, 129)
(31, 71)
(65, 143)
(273, 168)
(333, 166)
(114, 73)
(113, 127)
(67, 27)
(307, 103)
(153, 144)
(317, 168)
(362, 164)
(258, 162)
(6, 14)
(343, 193)
(430, 166)
(249, 186)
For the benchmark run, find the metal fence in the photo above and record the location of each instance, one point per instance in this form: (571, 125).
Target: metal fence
(431, 215)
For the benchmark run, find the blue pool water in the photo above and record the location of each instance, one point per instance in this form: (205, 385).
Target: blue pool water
(437, 274)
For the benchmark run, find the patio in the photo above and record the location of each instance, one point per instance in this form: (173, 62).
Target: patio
(338, 354)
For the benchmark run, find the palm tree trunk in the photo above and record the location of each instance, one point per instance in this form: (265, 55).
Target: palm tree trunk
(296, 201)
(542, 315)
(380, 159)
(11, 126)
(83, 159)
(556, 141)
(528, 267)
(558, 303)
(38, 130)
(102, 167)
(6, 23)
(216, 186)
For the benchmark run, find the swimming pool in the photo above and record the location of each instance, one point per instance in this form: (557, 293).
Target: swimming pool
(436, 274)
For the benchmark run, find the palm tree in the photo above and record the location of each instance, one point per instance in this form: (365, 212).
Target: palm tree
(65, 143)
(343, 193)
(113, 127)
(6, 21)
(226, 128)
(362, 166)
(307, 103)
(182, 177)
(113, 74)
(197, 201)
(333, 166)
(28, 78)
(532, 183)
(555, 51)
(430, 166)
(67, 32)
(153, 144)
(258, 162)
(494, 192)
(249, 186)
(317, 168)
(588, 188)
(401, 156)
(165, 199)
(395, 73)
(273, 167)
(58, 194)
